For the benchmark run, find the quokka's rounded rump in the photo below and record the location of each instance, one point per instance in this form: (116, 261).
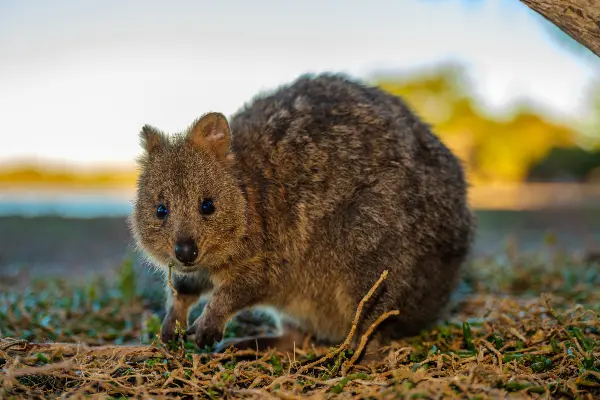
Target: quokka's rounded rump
(300, 202)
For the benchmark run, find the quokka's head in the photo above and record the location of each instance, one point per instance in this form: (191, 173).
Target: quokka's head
(189, 210)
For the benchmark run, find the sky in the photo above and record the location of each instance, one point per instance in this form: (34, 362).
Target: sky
(78, 79)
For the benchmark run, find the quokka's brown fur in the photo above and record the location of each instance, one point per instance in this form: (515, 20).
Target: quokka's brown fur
(317, 188)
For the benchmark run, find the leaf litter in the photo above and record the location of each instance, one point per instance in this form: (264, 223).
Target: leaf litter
(522, 326)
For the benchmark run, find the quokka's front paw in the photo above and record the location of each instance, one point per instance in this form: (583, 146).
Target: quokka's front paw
(207, 331)
(171, 330)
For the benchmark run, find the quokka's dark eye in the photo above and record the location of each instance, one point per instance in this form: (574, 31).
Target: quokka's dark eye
(162, 211)
(207, 207)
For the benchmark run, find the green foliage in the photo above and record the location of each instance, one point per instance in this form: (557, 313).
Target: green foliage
(468, 336)
(574, 164)
(126, 279)
(494, 148)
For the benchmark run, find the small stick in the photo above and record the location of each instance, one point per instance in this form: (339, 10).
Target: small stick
(360, 307)
(491, 348)
(12, 343)
(365, 337)
(517, 334)
(346, 343)
(41, 370)
(175, 293)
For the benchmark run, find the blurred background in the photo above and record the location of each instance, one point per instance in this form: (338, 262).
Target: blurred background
(515, 98)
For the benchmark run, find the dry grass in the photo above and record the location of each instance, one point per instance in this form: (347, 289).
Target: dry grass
(524, 327)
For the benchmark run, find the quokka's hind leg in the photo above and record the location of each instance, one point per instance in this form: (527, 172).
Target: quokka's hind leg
(374, 351)
(290, 338)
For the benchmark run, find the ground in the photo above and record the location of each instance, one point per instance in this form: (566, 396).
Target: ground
(523, 326)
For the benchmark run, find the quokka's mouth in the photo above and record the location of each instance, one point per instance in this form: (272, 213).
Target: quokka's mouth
(180, 267)
(186, 267)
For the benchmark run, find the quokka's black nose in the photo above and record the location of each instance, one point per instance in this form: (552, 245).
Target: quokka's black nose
(186, 250)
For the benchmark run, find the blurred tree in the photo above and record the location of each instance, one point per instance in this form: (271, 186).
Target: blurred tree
(565, 41)
(570, 23)
(567, 164)
(494, 149)
(580, 19)
(590, 126)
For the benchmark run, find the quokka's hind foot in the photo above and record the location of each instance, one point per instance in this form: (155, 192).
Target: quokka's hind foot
(374, 351)
(290, 339)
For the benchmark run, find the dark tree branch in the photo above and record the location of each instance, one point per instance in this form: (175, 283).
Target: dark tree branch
(579, 19)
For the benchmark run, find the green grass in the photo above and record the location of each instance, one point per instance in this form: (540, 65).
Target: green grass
(526, 326)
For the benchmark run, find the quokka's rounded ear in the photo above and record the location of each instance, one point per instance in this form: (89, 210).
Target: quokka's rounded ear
(151, 139)
(211, 133)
